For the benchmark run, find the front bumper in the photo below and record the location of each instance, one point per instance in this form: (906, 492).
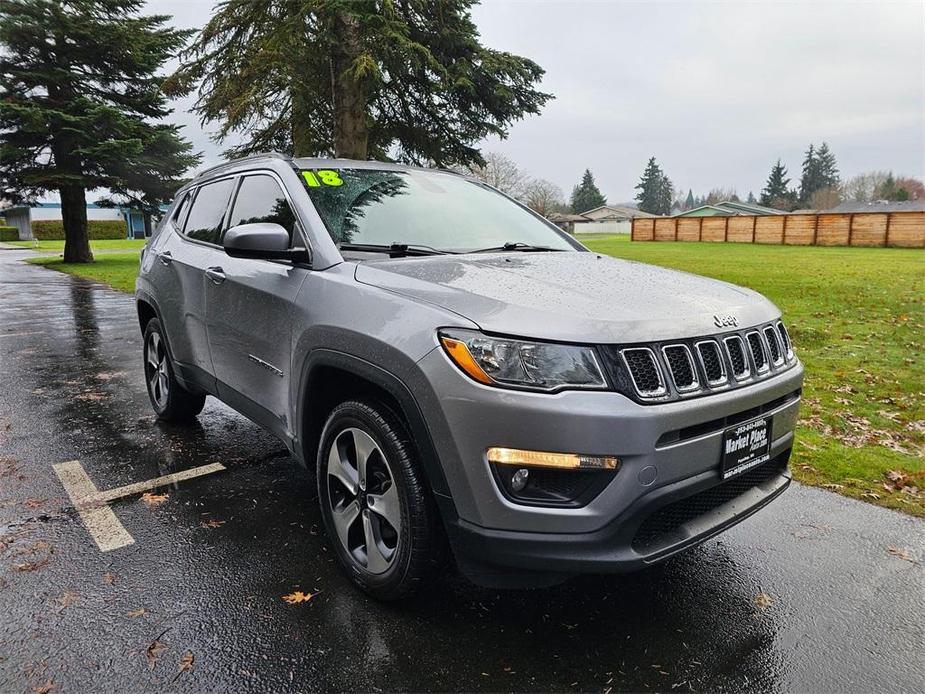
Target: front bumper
(669, 452)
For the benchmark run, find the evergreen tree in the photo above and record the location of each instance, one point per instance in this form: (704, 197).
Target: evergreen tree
(689, 203)
(820, 172)
(358, 79)
(827, 167)
(78, 91)
(655, 190)
(809, 182)
(586, 195)
(777, 190)
(751, 198)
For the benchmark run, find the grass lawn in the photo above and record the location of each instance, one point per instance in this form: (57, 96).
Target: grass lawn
(118, 270)
(100, 245)
(857, 320)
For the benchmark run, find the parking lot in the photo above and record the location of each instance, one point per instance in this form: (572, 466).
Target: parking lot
(225, 581)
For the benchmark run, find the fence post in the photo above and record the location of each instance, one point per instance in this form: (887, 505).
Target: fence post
(815, 229)
(700, 230)
(851, 229)
(754, 224)
(783, 238)
(886, 238)
(676, 229)
(726, 230)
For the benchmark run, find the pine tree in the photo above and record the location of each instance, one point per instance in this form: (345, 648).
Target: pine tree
(689, 203)
(78, 91)
(655, 190)
(586, 195)
(359, 79)
(751, 197)
(809, 182)
(776, 192)
(827, 167)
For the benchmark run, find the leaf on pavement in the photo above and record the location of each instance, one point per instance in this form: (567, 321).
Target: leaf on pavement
(763, 601)
(186, 664)
(152, 499)
(109, 578)
(44, 688)
(140, 612)
(902, 553)
(154, 649)
(298, 596)
(212, 523)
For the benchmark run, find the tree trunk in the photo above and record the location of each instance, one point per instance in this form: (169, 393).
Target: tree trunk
(351, 134)
(74, 216)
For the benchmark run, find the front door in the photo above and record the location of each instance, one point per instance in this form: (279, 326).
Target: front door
(249, 311)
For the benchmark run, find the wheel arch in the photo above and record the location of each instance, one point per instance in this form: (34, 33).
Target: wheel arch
(329, 377)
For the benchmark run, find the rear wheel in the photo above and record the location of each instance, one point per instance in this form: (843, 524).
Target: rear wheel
(376, 508)
(171, 401)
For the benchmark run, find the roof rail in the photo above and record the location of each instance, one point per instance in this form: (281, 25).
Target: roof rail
(241, 160)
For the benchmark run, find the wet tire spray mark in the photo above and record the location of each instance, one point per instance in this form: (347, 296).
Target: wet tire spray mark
(93, 505)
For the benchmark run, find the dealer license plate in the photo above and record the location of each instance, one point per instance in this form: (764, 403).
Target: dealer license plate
(745, 446)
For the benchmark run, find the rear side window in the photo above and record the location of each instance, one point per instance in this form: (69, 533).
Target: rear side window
(180, 212)
(260, 199)
(204, 222)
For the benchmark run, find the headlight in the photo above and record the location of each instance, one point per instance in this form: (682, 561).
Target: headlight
(521, 364)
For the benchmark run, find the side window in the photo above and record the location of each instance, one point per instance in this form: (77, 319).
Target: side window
(180, 212)
(204, 222)
(260, 199)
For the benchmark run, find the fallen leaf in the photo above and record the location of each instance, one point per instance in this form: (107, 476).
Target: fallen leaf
(152, 499)
(186, 663)
(298, 596)
(109, 578)
(212, 523)
(33, 503)
(763, 601)
(902, 553)
(140, 612)
(66, 599)
(43, 688)
(31, 565)
(154, 649)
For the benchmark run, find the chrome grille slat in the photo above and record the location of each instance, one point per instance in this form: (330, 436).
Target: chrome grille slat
(759, 355)
(681, 367)
(645, 372)
(774, 347)
(735, 350)
(785, 338)
(711, 359)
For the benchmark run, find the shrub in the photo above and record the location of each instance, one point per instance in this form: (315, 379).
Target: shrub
(53, 229)
(9, 233)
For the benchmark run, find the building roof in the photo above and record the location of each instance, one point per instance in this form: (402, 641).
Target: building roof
(730, 208)
(749, 207)
(878, 206)
(566, 217)
(620, 211)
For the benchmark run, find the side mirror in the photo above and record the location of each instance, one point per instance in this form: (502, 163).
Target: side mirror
(264, 241)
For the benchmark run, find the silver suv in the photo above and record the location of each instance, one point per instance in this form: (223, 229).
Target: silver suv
(463, 375)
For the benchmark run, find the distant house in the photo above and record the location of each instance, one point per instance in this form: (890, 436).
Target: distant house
(22, 216)
(729, 208)
(609, 219)
(851, 207)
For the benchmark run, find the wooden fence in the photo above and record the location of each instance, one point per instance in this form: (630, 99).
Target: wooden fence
(899, 229)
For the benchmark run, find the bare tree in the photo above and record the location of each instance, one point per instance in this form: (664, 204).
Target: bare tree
(722, 195)
(501, 172)
(543, 196)
(825, 198)
(864, 187)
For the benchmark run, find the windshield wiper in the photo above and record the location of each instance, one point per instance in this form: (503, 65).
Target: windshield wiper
(518, 246)
(395, 250)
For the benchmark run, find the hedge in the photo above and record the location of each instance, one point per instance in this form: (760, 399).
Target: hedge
(53, 229)
(9, 233)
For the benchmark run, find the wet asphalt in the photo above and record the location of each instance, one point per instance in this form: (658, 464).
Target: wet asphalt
(804, 596)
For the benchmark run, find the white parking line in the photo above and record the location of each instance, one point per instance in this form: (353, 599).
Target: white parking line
(93, 505)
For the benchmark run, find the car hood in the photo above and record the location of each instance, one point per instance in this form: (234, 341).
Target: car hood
(574, 297)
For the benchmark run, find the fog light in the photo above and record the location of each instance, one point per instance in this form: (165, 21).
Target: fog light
(519, 479)
(572, 461)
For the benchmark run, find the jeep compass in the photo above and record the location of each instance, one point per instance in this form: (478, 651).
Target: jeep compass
(463, 377)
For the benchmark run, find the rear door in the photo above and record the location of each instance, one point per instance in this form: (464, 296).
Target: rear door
(188, 255)
(249, 311)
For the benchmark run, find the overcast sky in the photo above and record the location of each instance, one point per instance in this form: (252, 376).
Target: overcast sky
(716, 91)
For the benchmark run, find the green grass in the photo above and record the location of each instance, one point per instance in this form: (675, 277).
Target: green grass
(118, 270)
(857, 320)
(100, 245)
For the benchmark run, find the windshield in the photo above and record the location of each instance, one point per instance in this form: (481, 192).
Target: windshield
(432, 209)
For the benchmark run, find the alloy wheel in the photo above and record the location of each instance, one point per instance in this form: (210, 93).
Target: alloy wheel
(364, 500)
(156, 370)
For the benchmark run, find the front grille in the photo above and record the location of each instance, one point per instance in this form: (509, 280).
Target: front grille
(736, 352)
(644, 371)
(770, 334)
(757, 348)
(681, 366)
(660, 529)
(785, 339)
(712, 362)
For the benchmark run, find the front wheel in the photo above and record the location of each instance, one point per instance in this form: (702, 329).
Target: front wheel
(171, 401)
(376, 507)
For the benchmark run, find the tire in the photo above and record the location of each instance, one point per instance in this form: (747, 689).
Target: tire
(406, 537)
(171, 401)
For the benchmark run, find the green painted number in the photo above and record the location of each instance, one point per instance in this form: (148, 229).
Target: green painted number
(325, 177)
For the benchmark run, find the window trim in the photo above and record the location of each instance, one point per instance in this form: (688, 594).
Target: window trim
(298, 231)
(194, 191)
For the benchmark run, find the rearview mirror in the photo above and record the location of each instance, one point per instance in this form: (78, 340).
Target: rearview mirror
(264, 241)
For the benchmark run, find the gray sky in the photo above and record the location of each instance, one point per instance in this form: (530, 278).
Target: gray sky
(716, 91)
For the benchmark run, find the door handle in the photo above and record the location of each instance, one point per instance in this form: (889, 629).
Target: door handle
(165, 257)
(216, 274)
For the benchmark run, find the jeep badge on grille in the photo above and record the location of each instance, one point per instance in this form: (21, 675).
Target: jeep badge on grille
(725, 321)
